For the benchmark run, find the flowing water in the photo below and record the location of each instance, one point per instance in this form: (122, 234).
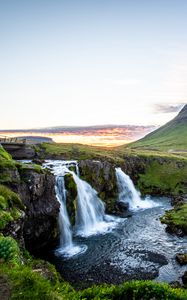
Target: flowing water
(128, 193)
(90, 214)
(134, 248)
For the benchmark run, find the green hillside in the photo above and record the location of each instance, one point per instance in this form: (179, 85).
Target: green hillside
(171, 137)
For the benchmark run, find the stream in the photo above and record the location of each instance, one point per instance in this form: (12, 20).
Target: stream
(137, 247)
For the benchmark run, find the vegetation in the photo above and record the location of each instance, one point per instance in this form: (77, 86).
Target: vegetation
(10, 206)
(28, 282)
(170, 137)
(9, 250)
(167, 177)
(7, 165)
(176, 217)
(24, 168)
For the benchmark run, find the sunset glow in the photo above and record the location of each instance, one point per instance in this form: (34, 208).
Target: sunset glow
(108, 137)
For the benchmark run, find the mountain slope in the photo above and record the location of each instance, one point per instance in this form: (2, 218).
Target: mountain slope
(170, 137)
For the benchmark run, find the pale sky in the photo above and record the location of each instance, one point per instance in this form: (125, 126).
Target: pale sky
(84, 62)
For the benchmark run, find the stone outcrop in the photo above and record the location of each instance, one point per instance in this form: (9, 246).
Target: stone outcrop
(40, 227)
(101, 175)
(22, 151)
(37, 227)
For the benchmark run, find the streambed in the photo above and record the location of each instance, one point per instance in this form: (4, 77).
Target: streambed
(137, 248)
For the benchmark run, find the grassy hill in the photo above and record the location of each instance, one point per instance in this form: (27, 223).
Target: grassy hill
(171, 137)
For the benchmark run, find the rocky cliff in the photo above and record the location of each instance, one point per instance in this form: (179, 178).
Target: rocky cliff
(28, 207)
(37, 192)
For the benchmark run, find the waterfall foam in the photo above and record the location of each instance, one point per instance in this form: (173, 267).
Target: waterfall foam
(128, 193)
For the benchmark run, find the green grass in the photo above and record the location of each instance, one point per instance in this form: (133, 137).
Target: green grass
(77, 151)
(166, 177)
(171, 138)
(40, 282)
(176, 217)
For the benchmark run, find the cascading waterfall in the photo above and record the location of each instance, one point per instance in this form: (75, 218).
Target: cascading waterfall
(90, 216)
(128, 193)
(64, 222)
(67, 247)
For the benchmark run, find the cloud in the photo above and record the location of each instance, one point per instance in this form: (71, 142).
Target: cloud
(168, 108)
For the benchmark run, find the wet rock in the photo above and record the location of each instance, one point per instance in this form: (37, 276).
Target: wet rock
(175, 284)
(181, 258)
(177, 200)
(172, 229)
(184, 278)
(123, 206)
(38, 161)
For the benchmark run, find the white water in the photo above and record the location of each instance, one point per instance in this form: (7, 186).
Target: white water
(128, 193)
(90, 217)
(90, 214)
(67, 248)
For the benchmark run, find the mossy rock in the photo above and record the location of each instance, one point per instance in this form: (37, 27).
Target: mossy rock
(11, 206)
(71, 196)
(176, 219)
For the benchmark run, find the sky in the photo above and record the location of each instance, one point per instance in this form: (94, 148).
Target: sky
(84, 62)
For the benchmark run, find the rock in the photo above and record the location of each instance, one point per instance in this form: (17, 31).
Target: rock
(181, 258)
(40, 228)
(177, 200)
(184, 278)
(175, 284)
(122, 206)
(20, 152)
(101, 175)
(38, 161)
(172, 229)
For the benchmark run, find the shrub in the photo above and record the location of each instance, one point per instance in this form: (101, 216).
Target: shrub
(9, 250)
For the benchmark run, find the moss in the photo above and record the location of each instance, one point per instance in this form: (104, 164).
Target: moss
(176, 217)
(24, 168)
(6, 166)
(10, 206)
(71, 189)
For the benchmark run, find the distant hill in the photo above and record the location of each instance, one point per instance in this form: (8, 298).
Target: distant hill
(170, 137)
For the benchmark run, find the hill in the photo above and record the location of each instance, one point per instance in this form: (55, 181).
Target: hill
(170, 137)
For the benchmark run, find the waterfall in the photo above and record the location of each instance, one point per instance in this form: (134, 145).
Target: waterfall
(90, 215)
(64, 222)
(128, 193)
(67, 248)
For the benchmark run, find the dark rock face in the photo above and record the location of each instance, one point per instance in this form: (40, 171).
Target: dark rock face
(177, 200)
(20, 152)
(181, 258)
(40, 227)
(184, 278)
(101, 175)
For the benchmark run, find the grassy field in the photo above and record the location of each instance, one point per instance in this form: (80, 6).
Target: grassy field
(79, 151)
(172, 139)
